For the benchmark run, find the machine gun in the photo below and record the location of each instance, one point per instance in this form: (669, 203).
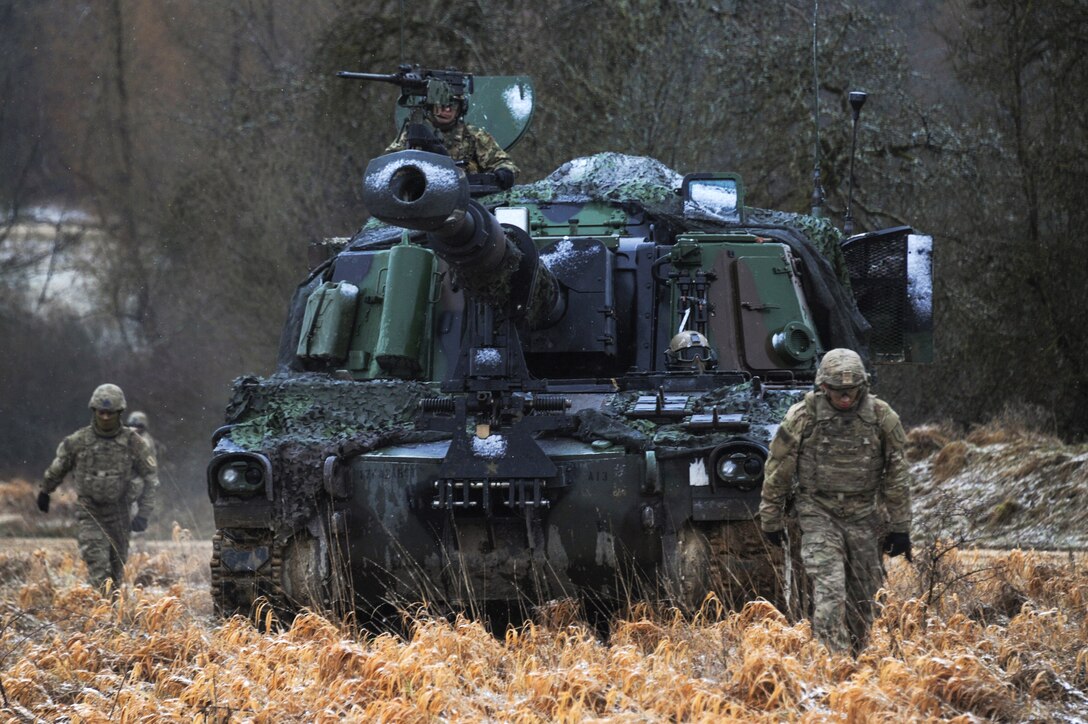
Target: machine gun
(420, 87)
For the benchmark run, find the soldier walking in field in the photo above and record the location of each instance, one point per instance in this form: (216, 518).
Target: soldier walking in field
(104, 459)
(840, 454)
(139, 422)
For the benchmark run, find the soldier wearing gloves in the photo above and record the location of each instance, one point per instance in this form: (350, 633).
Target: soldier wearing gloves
(839, 454)
(104, 458)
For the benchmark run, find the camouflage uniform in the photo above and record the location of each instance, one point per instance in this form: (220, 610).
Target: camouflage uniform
(847, 472)
(139, 424)
(475, 146)
(103, 466)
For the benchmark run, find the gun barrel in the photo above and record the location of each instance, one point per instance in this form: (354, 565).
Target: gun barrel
(417, 190)
(394, 78)
(428, 192)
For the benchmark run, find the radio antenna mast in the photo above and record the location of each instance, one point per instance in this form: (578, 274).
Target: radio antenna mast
(817, 187)
(402, 60)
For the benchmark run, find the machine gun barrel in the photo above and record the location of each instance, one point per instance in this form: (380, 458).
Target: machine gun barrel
(428, 192)
(400, 79)
(416, 82)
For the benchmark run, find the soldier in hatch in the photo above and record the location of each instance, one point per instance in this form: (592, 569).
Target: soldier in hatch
(104, 458)
(844, 449)
(474, 146)
(690, 350)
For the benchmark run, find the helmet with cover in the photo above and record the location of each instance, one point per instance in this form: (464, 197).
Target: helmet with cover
(137, 420)
(690, 349)
(445, 107)
(842, 369)
(108, 398)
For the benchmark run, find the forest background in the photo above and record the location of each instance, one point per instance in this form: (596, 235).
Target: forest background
(166, 164)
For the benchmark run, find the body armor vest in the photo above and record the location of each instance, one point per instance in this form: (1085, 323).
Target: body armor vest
(104, 467)
(843, 455)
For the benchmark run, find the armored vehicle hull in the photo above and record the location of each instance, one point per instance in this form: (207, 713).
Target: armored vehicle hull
(565, 390)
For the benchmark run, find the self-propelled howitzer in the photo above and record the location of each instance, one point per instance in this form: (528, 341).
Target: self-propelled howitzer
(566, 390)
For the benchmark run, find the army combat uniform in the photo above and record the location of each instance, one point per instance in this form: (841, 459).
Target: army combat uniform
(846, 471)
(138, 422)
(103, 468)
(475, 146)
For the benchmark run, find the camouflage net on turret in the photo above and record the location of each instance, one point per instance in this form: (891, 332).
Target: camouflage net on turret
(654, 186)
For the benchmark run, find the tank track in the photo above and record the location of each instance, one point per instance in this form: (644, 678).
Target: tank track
(235, 592)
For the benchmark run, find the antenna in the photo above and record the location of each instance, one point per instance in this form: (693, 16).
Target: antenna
(401, 28)
(857, 100)
(817, 187)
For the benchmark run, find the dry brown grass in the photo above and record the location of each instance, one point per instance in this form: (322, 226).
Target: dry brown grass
(1006, 639)
(1016, 424)
(924, 440)
(153, 653)
(19, 514)
(950, 461)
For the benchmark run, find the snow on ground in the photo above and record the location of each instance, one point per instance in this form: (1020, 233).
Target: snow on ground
(1003, 490)
(49, 253)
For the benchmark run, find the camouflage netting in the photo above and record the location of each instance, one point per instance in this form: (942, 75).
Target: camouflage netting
(653, 185)
(604, 177)
(298, 420)
(762, 413)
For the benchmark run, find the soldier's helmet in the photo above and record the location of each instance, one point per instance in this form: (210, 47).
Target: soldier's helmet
(842, 369)
(442, 95)
(690, 349)
(137, 420)
(107, 397)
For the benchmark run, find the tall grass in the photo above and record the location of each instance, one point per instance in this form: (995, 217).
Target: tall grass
(1008, 644)
(961, 636)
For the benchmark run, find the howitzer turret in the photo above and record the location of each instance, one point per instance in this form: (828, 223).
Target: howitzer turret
(497, 265)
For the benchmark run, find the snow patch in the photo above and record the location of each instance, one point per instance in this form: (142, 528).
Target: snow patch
(442, 178)
(488, 357)
(562, 255)
(1019, 494)
(712, 201)
(919, 274)
(492, 447)
(226, 445)
(519, 99)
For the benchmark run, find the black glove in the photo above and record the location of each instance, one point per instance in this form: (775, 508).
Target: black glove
(43, 502)
(139, 524)
(775, 537)
(897, 544)
(504, 177)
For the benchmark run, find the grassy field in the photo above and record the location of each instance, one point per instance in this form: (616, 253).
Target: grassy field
(963, 635)
(1006, 638)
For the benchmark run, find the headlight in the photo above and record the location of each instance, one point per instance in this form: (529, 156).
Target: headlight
(738, 464)
(727, 468)
(239, 474)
